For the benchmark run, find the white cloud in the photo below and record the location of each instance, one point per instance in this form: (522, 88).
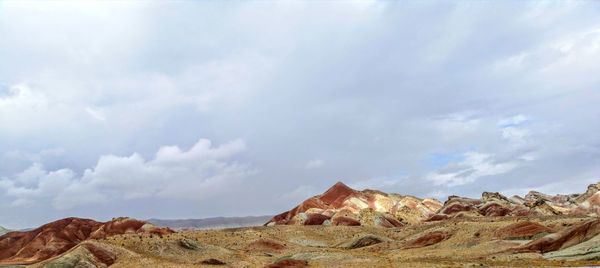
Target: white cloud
(457, 125)
(314, 163)
(28, 110)
(38, 157)
(576, 184)
(565, 62)
(515, 149)
(514, 134)
(513, 120)
(197, 173)
(438, 194)
(474, 166)
(377, 183)
(35, 185)
(300, 193)
(21, 102)
(95, 113)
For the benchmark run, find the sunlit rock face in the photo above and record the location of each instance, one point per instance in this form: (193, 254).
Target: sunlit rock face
(342, 205)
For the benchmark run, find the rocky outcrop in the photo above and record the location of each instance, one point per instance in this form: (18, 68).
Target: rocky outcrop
(288, 263)
(310, 219)
(342, 205)
(588, 250)
(213, 261)
(57, 237)
(189, 244)
(493, 204)
(265, 245)
(84, 255)
(363, 241)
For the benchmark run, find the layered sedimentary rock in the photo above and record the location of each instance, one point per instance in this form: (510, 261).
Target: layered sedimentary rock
(522, 230)
(563, 239)
(533, 204)
(342, 205)
(427, 239)
(57, 237)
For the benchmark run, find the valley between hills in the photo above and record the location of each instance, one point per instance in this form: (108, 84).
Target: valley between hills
(342, 227)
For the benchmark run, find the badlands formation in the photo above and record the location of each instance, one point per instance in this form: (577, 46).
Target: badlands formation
(342, 205)
(342, 227)
(57, 237)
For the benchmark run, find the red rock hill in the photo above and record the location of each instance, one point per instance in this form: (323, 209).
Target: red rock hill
(342, 205)
(57, 237)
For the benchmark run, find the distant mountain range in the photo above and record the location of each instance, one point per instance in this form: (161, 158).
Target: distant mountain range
(212, 223)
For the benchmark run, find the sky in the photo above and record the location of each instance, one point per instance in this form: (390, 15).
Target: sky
(194, 109)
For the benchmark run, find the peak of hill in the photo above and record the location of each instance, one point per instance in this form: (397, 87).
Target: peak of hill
(342, 205)
(57, 237)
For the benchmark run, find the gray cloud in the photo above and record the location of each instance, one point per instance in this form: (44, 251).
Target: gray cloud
(425, 98)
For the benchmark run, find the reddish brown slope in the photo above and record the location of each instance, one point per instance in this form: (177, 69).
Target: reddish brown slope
(332, 198)
(563, 239)
(342, 205)
(522, 230)
(57, 237)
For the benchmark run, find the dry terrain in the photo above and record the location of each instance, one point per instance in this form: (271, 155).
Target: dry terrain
(451, 243)
(342, 227)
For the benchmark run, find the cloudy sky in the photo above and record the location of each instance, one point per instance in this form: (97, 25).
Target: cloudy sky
(198, 109)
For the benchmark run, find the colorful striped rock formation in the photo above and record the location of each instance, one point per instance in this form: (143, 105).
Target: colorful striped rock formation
(57, 237)
(342, 205)
(533, 204)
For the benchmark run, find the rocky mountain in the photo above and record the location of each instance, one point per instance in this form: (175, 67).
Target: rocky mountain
(533, 204)
(211, 223)
(57, 237)
(342, 205)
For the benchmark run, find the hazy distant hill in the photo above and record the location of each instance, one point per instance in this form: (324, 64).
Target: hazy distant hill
(212, 223)
(3, 230)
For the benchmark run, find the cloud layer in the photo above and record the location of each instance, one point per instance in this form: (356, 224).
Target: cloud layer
(418, 98)
(197, 174)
